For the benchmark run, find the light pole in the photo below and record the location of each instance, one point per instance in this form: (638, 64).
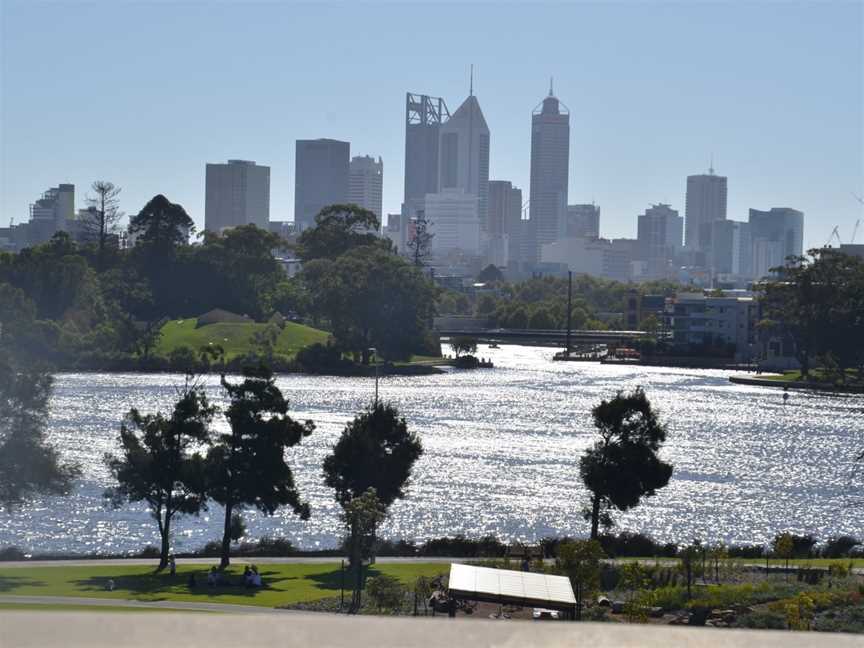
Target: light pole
(373, 353)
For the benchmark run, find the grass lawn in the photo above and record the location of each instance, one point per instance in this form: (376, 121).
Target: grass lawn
(773, 562)
(288, 583)
(815, 375)
(236, 339)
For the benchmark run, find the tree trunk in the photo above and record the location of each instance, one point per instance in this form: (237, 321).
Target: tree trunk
(226, 537)
(595, 516)
(166, 536)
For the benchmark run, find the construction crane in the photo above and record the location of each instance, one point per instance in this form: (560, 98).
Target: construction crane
(855, 231)
(835, 234)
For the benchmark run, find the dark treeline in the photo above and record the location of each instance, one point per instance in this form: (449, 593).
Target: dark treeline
(92, 306)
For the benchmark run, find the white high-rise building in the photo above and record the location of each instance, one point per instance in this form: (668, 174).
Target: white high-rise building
(550, 164)
(366, 184)
(705, 203)
(776, 235)
(463, 155)
(237, 193)
(453, 220)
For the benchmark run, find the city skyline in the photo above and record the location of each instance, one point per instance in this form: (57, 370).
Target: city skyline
(806, 156)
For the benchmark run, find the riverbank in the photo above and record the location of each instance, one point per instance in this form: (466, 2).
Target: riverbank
(785, 382)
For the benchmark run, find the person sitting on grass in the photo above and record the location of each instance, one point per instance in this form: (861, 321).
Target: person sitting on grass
(213, 578)
(192, 582)
(247, 577)
(256, 577)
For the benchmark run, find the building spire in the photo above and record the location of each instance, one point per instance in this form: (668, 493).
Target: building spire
(551, 92)
(471, 82)
(711, 165)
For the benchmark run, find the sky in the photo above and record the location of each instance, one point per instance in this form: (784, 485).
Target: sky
(144, 94)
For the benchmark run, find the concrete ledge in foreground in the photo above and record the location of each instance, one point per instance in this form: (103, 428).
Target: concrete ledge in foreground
(95, 630)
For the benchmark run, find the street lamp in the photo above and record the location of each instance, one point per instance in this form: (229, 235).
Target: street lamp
(373, 353)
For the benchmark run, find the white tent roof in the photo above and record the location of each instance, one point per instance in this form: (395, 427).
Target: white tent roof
(508, 586)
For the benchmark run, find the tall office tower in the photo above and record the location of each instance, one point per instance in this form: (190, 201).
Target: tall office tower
(550, 164)
(659, 234)
(504, 222)
(731, 248)
(423, 118)
(776, 234)
(453, 220)
(49, 214)
(583, 221)
(705, 203)
(463, 153)
(320, 178)
(236, 193)
(366, 184)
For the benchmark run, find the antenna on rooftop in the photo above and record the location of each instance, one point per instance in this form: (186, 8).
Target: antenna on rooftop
(711, 165)
(551, 92)
(471, 88)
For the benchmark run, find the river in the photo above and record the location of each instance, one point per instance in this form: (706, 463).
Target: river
(501, 457)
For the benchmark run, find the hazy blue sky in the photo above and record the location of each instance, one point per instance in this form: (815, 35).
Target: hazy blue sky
(145, 93)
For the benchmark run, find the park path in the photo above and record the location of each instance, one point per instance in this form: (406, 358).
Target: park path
(186, 606)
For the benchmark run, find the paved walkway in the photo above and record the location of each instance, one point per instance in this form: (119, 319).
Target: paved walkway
(187, 606)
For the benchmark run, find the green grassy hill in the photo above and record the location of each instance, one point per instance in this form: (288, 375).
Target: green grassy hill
(236, 339)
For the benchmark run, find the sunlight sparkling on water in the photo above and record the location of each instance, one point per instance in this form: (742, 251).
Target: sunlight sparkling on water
(501, 456)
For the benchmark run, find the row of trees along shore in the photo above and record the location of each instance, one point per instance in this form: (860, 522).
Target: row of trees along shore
(95, 305)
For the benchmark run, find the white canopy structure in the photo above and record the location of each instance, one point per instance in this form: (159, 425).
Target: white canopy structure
(508, 587)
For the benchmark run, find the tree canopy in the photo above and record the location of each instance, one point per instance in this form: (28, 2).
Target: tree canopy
(375, 450)
(623, 465)
(339, 229)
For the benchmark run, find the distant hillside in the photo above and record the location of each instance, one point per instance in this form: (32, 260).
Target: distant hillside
(235, 338)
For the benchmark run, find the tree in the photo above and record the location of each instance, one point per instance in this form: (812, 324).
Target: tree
(386, 592)
(156, 464)
(29, 466)
(375, 450)
(463, 344)
(161, 226)
(102, 218)
(622, 466)
(490, 274)
(361, 515)
(784, 547)
(541, 319)
(372, 298)
(338, 229)
(369, 469)
(580, 561)
(420, 241)
(247, 467)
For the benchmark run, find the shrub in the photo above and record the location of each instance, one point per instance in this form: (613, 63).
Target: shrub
(385, 592)
(321, 358)
(839, 547)
(11, 553)
(761, 620)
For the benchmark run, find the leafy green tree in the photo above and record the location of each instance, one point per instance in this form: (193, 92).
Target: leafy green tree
(247, 466)
(580, 560)
(490, 274)
(783, 547)
(29, 465)
(362, 515)
(819, 301)
(463, 344)
(541, 319)
(420, 241)
(156, 464)
(623, 465)
(375, 450)
(339, 229)
(386, 592)
(372, 298)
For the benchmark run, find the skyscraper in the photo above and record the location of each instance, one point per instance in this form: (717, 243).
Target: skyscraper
(660, 231)
(423, 118)
(366, 183)
(705, 202)
(731, 248)
(583, 221)
(776, 234)
(236, 193)
(320, 178)
(51, 213)
(463, 153)
(550, 164)
(504, 222)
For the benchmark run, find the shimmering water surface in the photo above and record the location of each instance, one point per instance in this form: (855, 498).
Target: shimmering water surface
(501, 456)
